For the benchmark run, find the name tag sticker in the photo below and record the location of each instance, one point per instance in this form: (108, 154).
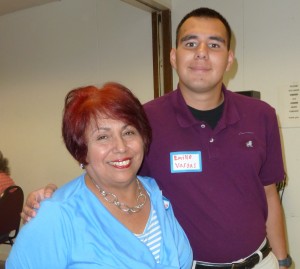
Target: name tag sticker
(186, 161)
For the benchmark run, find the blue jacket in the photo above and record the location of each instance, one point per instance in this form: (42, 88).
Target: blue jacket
(74, 230)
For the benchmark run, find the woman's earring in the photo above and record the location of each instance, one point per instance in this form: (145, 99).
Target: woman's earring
(82, 166)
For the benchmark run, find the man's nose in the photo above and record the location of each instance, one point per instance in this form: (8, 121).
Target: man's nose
(202, 51)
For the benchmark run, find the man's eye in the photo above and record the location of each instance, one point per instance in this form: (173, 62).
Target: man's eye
(190, 44)
(214, 45)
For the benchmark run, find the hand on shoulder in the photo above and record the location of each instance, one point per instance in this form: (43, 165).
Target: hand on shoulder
(33, 201)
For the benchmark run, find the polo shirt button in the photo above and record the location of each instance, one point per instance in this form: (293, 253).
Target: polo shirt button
(202, 125)
(211, 140)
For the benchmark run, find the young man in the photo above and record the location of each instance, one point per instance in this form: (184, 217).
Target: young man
(217, 154)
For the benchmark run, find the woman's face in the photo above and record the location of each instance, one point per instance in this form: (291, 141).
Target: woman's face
(115, 152)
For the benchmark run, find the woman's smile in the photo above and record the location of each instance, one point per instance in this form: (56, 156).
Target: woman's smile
(121, 164)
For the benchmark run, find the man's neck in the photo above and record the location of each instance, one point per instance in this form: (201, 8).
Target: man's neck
(207, 100)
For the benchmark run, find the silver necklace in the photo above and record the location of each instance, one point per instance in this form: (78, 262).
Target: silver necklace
(113, 199)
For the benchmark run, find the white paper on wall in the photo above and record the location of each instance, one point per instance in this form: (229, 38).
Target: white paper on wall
(289, 105)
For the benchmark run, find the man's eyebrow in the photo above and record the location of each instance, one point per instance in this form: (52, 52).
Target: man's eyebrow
(188, 37)
(218, 38)
(215, 38)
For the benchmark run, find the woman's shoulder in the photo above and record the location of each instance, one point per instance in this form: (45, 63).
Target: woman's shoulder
(148, 182)
(69, 189)
(151, 186)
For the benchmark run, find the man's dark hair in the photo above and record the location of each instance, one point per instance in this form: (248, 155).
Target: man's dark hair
(204, 12)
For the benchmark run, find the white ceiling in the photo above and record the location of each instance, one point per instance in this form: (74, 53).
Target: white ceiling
(9, 6)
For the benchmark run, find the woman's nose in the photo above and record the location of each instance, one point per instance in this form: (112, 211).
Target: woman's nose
(120, 144)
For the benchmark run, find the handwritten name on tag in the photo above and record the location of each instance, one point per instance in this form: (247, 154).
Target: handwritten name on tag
(185, 161)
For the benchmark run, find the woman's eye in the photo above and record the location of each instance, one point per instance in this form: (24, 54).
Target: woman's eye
(101, 137)
(129, 132)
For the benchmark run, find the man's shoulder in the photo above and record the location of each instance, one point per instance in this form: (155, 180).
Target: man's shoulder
(160, 107)
(156, 103)
(244, 102)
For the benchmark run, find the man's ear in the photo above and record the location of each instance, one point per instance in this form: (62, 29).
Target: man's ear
(230, 59)
(173, 58)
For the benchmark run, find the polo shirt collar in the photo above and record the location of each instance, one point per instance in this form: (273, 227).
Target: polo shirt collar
(230, 114)
(185, 118)
(183, 114)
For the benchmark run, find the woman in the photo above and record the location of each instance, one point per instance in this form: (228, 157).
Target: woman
(107, 217)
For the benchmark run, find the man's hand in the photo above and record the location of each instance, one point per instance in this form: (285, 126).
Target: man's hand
(33, 201)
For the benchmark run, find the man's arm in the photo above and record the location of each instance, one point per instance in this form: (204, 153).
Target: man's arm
(275, 223)
(33, 201)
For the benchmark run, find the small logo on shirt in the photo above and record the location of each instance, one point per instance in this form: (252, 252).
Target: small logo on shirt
(249, 144)
(248, 139)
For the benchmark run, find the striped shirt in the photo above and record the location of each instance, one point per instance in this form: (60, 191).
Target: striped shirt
(151, 236)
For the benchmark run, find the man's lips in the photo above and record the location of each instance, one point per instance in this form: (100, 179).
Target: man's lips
(200, 68)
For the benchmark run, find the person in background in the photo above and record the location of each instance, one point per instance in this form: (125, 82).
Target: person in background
(215, 154)
(108, 217)
(5, 179)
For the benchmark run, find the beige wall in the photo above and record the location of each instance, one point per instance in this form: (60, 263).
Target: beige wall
(48, 50)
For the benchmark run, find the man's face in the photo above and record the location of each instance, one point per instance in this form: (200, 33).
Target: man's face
(201, 57)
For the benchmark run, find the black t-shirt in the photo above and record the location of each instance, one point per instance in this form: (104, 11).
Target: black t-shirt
(211, 117)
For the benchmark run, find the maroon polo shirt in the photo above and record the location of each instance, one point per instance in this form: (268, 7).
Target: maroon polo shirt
(215, 178)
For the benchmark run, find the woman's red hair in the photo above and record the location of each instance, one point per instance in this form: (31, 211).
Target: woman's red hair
(83, 105)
